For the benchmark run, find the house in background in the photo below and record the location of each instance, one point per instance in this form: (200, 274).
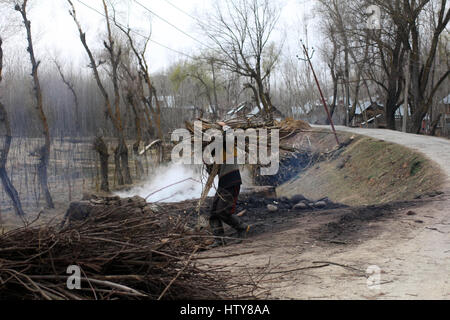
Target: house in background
(443, 127)
(369, 114)
(242, 110)
(316, 113)
(249, 110)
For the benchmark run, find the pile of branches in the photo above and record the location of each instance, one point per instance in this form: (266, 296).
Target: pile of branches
(287, 128)
(123, 252)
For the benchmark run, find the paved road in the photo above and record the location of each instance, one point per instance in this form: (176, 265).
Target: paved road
(437, 149)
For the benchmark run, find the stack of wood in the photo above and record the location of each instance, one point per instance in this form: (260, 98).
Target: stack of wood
(287, 128)
(124, 250)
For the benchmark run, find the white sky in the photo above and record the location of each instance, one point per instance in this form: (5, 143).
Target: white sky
(55, 33)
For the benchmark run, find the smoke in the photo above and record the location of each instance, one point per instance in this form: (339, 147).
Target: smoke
(168, 178)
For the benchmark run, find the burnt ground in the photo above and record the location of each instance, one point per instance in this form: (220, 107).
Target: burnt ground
(341, 224)
(257, 213)
(351, 222)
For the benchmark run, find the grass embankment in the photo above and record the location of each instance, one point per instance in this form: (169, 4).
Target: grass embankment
(368, 172)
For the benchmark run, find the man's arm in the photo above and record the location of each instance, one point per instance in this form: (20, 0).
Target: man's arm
(224, 126)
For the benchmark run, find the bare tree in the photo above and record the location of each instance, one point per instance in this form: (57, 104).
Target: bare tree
(386, 71)
(121, 152)
(350, 38)
(403, 32)
(422, 58)
(150, 100)
(241, 31)
(44, 152)
(131, 82)
(99, 143)
(202, 73)
(330, 56)
(5, 128)
(112, 106)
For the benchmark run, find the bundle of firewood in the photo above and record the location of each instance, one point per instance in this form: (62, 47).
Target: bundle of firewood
(124, 250)
(287, 128)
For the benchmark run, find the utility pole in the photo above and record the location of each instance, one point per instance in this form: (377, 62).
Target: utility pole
(405, 102)
(347, 86)
(216, 103)
(308, 59)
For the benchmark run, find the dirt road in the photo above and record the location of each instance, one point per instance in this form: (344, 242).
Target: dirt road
(397, 251)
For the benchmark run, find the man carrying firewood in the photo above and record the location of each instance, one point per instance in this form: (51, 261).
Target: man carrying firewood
(224, 205)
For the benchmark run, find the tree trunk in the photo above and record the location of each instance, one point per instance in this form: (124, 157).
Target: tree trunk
(416, 119)
(7, 184)
(43, 176)
(158, 112)
(267, 105)
(406, 92)
(255, 95)
(123, 151)
(352, 111)
(118, 167)
(102, 149)
(390, 117)
(216, 103)
(45, 150)
(394, 91)
(137, 119)
(434, 125)
(11, 192)
(137, 160)
(335, 92)
(5, 127)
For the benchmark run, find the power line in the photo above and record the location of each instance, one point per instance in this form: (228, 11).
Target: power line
(171, 24)
(134, 31)
(184, 12)
(204, 25)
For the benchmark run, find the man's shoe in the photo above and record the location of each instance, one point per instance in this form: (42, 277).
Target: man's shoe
(243, 233)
